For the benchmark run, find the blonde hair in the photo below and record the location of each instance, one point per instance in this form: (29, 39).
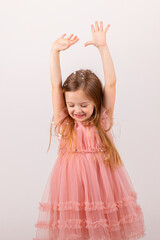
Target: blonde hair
(93, 89)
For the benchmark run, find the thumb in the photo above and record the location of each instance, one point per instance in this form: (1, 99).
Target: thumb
(88, 43)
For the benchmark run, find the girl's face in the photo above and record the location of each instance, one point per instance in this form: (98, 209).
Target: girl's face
(79, 106)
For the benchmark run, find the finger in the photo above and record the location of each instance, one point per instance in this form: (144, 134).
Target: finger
(101, 26)
(74, 40)
(63, 35)
(92, 28)
(88, 43)
(96, 26)
(106, 29)
(70, 36)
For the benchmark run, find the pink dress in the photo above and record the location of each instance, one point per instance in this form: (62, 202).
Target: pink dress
(84, 200)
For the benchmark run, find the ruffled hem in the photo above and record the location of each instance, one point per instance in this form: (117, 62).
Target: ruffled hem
(87, 206)
(127, 227)
(132, 236)
(78, 223)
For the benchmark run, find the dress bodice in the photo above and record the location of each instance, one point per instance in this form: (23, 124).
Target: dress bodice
(87, 136)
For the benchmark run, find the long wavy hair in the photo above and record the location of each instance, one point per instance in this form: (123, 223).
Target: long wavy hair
(87, 81)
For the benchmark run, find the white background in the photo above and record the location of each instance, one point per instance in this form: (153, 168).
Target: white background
(28, 29)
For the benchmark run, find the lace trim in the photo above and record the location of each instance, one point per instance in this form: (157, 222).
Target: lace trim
(89, 206)
(132, 236)
(78, 223)
(77, 237)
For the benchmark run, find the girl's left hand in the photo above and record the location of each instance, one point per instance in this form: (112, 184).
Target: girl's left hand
(98, 35)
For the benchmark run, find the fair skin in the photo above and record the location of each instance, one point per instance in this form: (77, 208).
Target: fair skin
(79, 104)
(99, 41)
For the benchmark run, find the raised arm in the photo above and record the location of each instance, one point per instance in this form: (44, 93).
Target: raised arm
(58, 100)
(55, 69)
(60, 44)
(109, 91)
(108, 67)
(99, 41)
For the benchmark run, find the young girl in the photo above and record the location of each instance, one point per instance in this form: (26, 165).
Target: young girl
(88, 195)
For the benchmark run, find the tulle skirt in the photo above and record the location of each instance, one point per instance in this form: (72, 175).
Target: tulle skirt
(84, 200)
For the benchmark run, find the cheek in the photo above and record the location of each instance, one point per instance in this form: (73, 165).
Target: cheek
(71, 110)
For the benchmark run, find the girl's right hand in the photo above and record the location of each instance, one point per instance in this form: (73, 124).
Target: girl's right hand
(63, 43)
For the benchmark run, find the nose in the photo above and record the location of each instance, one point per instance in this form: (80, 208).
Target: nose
(77, 109)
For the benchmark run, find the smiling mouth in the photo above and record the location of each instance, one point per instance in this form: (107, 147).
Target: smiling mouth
(80, 115)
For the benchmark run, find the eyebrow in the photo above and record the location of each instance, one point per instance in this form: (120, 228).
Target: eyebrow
(81, 102)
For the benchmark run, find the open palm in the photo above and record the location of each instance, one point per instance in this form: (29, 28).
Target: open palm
(98, 35)
(62, 43)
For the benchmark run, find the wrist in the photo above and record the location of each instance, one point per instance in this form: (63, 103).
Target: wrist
(102, 47)
(54, 50)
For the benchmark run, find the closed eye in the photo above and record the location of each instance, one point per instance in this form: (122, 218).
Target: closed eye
(81, 106)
